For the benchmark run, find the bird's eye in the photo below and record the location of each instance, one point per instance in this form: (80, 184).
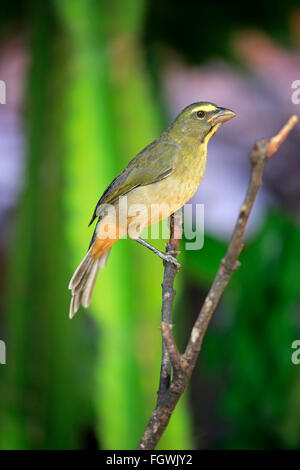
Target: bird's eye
(200, 114)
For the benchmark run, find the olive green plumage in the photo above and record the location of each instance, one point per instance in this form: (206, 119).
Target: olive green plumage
(158, 159)
(166, 173)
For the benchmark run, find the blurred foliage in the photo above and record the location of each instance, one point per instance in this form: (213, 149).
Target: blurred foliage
(249, 342)
(202, 30)
(41, 386)
(91, 104)
(68, 383)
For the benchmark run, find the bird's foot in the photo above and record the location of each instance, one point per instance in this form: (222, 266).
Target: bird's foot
(170, 259)
(167, 257)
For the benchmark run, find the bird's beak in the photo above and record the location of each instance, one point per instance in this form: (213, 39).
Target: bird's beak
(222, 115)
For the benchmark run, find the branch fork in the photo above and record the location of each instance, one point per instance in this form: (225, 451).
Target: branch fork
(172, 387)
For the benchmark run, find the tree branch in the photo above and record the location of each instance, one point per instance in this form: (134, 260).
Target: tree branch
(168, 294)
(183, 365)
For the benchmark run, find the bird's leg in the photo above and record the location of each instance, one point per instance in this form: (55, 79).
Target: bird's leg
(166, 257)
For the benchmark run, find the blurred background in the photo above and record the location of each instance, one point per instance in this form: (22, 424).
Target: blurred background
(89, 84)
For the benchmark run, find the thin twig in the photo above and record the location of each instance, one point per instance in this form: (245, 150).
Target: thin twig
(184, 364)
(277, 140)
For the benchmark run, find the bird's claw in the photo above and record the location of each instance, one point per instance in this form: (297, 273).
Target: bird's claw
(170, 259)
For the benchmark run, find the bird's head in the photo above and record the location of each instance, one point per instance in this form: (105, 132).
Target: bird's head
(200, 121)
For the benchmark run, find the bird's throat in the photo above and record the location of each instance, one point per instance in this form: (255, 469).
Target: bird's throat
(209, 135)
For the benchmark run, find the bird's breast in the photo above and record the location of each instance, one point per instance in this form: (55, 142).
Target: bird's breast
(172, 192)
(189, 173)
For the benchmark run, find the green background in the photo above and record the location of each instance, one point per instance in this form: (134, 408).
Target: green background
(93, 100)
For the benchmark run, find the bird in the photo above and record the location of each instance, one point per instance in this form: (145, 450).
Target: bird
(157, 182)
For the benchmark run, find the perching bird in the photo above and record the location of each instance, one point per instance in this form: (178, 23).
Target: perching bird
(157, 181)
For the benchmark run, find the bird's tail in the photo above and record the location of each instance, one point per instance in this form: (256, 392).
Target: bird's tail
(83, 280)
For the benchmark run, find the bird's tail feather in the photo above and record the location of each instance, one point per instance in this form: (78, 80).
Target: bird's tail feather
(83, 280)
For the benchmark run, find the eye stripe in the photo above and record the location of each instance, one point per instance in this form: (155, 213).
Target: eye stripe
(206, 108)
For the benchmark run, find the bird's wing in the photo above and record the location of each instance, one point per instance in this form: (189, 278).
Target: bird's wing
(153, 164)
